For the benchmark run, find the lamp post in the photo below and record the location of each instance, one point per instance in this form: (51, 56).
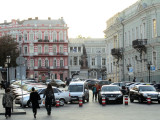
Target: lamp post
(128, 65)
(8, 59)
(149, 68)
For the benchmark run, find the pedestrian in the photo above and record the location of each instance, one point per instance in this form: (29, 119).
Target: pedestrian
(97, 90)
(34, 98)
(134, 79)
(49, 98)
(94, 90)
(7, 102)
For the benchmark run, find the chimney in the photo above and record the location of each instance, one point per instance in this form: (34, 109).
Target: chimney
(29, 18)
(5, 21)
(36, 18)
(49, 18)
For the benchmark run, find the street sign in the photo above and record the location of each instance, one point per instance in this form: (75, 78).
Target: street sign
(152, 68)
(130, 72)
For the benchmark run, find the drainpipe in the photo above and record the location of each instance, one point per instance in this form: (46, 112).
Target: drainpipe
(123, 52)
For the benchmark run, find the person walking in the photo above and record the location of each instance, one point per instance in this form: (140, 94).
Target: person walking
(97, 90)
(94, 90)
(34, 98)
(49, 97)
(7, 102)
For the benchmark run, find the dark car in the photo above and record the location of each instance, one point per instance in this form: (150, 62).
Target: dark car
(141, 93)
(91, 82)
(57, 83)
(112, 93)
(122, 86)
(104, 82)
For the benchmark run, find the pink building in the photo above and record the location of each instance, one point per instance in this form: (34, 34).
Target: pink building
(43, 43)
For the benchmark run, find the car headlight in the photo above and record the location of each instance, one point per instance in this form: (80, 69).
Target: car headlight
(145, 94)
(120, 95)
(158, 95)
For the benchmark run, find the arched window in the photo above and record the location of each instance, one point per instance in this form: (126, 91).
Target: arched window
(46, 35)
(25, 36)
(39, 63)
(39, 49)
(46, 51)
(61, 36)
(39, 35)
(25, 50)
(54, 63)
(61, 49)
(54, 49)
(20, 37)
(31, 36)
(54, 36)
(61, 62)
(155, 58)
(46, 63)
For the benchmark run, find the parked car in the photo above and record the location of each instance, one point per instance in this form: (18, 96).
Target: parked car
(103, 82)
(63, 96)
(48, 81)
(141, 92)
(112, 93)
(58, 83)
(91, 82)
(79, 89)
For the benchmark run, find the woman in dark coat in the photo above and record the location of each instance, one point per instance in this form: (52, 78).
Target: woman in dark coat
(34, 97)
(49, 97)
(7, 102)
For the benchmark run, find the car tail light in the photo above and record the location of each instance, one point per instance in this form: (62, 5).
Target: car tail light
(69, 95)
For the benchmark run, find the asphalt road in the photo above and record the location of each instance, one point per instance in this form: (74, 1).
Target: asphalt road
(94, 111)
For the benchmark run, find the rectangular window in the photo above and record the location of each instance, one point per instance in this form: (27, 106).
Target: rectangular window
(55, 63)
(75, 60)
(141, 32)
(31, 37)
(31, 63)
(154, 28)
(25, 50)
(71, 61)
(39, 63)
(31, 49)
(136, 32)
(61, 63)
(20, 37)
(103, 61)
(154, 59)
(144, 33)
(79, 49)
(25, 37)
(71, 49)
(93, 61)
(46, 37)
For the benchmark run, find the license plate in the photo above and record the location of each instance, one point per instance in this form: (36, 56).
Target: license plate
(111, 98)
(74, 98)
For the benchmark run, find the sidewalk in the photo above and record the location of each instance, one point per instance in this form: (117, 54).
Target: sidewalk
(15, 110)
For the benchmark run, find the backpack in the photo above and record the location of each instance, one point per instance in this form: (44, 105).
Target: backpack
(50, 94)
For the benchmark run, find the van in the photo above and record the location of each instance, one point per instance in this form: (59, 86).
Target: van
(79, 89)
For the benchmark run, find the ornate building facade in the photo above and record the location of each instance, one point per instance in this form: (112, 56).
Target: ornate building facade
(133, 38)
(43, 43)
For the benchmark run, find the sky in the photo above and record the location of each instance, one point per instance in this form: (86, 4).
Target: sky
(83, 17)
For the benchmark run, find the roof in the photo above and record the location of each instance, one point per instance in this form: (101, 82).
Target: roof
(77, 83)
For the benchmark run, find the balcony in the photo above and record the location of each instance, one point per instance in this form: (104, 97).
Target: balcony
(139, 43)
(116, 52)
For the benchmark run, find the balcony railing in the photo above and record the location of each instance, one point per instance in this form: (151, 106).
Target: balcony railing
(116, 51)
(139, 43)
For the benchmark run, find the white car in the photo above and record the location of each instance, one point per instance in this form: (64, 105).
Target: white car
(63, 96)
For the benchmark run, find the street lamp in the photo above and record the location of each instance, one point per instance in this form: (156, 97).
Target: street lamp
(8, 59)
(128, 66)
(149, 68)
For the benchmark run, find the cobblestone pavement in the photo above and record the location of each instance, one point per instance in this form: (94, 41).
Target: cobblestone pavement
(94, 111)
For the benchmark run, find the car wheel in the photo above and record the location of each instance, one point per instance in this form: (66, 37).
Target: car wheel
(121, 102)
(131, 99)
(61, 102)
(83, 100)
(64, 86)
(100, 101)
(140, 100)
(159, 101)
(88, 99)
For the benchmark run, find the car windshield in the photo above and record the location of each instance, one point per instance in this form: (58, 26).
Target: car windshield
(75, 88)
(58, 80)
(110, 88)
(147, 88)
